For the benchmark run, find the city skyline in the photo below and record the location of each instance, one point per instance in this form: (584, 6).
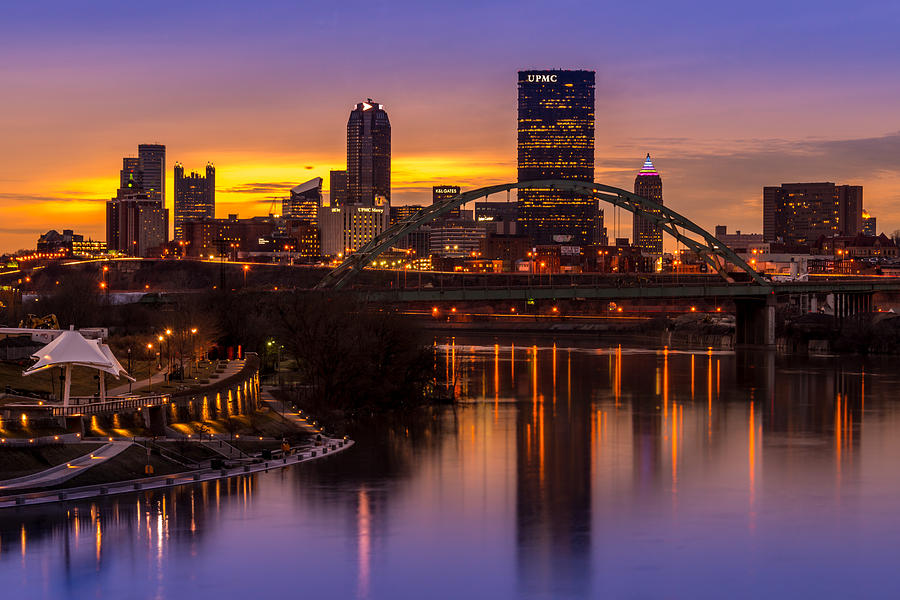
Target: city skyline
(723, 117)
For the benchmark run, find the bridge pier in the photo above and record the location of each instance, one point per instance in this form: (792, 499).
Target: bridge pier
(155, 419)
(755, 321)
(848, 304)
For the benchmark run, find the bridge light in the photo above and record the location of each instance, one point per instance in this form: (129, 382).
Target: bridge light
(693, 309)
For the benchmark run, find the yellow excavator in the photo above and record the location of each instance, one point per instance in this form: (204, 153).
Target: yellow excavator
(35, 322)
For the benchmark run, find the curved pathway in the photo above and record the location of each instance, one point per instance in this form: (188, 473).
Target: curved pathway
(68, 470)
(330, 447)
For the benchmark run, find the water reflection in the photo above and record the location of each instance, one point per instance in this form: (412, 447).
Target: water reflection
(566, 471)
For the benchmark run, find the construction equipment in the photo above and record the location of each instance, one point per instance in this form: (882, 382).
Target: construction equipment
(275, 205)
(35, 322)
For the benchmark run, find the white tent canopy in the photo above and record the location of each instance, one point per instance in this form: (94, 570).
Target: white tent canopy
(69, 350)
(117, 369)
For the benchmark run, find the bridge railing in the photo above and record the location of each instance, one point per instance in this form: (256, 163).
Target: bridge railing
(88, 405)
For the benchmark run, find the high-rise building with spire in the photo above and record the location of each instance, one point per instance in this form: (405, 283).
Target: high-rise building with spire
(648, 184)
(369, 155)
(556, 141)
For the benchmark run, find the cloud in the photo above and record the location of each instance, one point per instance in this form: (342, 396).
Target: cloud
(721, 181)
(18, 230)
(40, 198)
(268, 187)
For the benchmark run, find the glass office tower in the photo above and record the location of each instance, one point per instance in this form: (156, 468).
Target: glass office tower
(556, 141)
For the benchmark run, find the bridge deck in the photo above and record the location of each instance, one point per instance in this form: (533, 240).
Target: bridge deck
(625, 292)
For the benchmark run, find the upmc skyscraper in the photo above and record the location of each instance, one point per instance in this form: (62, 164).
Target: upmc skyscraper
(556, 141)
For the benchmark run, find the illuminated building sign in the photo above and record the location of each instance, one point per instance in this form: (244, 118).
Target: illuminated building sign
(541, 79)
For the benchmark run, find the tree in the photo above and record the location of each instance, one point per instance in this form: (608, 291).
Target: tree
(353, 358)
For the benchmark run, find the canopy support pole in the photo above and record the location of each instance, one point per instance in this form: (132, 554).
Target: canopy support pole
(67, 385)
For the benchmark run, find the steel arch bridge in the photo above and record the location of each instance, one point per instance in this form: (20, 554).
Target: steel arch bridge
(711, 250)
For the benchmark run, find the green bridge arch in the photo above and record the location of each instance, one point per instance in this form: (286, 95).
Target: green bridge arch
(710, 249)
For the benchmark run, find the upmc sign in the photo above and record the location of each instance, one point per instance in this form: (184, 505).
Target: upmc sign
(536, 78)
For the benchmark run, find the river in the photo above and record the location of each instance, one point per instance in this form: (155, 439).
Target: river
(566, 470)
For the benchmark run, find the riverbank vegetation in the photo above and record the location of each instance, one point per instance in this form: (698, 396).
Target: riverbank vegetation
(350, 358)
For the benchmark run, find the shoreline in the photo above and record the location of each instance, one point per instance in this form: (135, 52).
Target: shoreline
(329, 447)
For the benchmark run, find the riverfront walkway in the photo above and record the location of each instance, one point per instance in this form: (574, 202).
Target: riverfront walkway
(135, 386)
(62, 473)
(329, 447)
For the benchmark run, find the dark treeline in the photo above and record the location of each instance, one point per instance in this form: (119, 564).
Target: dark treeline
(344, 354)
(353, 358)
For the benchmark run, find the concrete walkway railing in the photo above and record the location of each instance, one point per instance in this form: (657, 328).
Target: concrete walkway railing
(330, 446)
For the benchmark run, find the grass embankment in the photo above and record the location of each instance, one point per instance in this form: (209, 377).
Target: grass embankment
(18, 462)
(264, 422)
(30, 431)
(122, 467)
(190, 451)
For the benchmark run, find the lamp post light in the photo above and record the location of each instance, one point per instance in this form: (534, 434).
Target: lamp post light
(150, 367)
(105, 283)
(169, 361)
(193, 349)
(159, 355)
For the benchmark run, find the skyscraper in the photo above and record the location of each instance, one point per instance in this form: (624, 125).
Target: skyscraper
(869, 224)
(556, 141)
(137, 221)
(337, 188)
(153, 166)
(136, 225)
(799, 213)
(195, 197)
(131, 177)
(445, 192)
(648, 184)
(304, 201)
(369, 155)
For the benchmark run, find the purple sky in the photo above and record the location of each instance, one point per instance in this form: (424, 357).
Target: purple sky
(726, 98)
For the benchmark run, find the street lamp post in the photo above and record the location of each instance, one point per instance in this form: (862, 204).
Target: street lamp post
(150, 367)
(105, 283)
(193, 348)
(159, 355)
(169, 361)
